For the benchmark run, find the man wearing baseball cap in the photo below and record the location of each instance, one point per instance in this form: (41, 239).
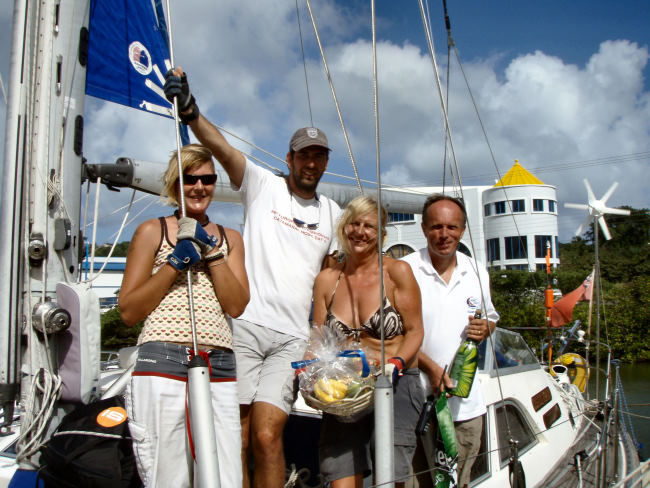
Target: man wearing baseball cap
(288, 232)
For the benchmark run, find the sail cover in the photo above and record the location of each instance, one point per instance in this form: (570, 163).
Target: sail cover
(128, 54)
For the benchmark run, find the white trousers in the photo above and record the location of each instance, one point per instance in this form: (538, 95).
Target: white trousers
(158, 423)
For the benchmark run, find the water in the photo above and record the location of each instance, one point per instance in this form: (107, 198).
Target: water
(636, 388)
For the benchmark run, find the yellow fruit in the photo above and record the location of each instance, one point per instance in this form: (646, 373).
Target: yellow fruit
(330, 390)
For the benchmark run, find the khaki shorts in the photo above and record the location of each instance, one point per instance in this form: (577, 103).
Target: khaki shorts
(468, 439)
(264, 356)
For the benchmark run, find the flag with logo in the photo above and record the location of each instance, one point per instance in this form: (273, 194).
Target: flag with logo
(128, 54)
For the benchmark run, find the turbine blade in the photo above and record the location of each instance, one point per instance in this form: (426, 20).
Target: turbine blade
(584, 225)
(609, 192)
(605, 229)
(616, 211)
(580, 206)
(590, 193)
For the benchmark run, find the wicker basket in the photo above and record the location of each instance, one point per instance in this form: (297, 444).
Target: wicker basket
(349, 409)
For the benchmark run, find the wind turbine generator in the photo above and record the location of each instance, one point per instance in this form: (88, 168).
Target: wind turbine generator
(597, 209)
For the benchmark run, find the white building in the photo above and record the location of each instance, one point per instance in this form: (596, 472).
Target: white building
(106, 284)
(510, 224)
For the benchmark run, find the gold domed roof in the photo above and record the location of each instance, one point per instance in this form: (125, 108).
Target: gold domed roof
(518, 175)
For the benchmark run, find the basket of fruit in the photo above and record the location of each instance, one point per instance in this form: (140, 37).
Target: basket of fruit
(346, 397)
(342, 386)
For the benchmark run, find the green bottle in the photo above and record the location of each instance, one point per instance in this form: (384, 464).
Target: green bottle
(446, 446)
(463, 369)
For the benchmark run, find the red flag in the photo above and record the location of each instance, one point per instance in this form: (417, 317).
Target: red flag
(562, 310)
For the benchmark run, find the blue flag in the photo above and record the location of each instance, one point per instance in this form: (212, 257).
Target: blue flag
(128, 55)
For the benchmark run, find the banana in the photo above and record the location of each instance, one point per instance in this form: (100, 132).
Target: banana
(330, 390)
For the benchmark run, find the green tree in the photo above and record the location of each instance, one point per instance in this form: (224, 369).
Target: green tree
(120, 249)
(625, 317)
(115, 334)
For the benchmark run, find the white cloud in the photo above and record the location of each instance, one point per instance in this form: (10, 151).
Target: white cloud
(245, 68)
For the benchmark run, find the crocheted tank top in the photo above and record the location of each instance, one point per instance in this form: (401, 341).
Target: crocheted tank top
(170, 320)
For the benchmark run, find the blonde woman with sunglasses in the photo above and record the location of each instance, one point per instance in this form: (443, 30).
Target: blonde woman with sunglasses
(154, 288)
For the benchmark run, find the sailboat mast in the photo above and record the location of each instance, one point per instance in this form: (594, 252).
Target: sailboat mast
(11, 215)
(42, 171)
(597, 293)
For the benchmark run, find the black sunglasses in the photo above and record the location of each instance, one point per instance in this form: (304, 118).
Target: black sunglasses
(194, 179)
(301, 223)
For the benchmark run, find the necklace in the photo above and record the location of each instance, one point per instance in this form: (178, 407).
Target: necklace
(205, 222)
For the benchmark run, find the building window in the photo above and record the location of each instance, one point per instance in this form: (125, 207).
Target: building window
(557, 248)
(517, 267)
(538, 205)
(493, 250)
(499, 207)
(487, 209)
(399, 251)
(107, 302)
(400, 217)
(540, 245)
(511, 423)
(516, 247)
(551, 206)
(518, 206)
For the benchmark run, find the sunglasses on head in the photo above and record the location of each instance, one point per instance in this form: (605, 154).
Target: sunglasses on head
(194, 179)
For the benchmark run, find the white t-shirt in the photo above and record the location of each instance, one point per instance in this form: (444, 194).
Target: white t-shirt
(282, 259)
(446, 309)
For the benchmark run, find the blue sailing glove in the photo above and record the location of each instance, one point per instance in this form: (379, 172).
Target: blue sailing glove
(177, 87)
(184, 255)
(189, 228)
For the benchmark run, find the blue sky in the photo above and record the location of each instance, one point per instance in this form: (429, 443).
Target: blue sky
(562, 86)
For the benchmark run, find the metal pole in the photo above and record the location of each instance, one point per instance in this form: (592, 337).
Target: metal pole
(384, 430)
(384, 459)
(597, 292)
(199, 399)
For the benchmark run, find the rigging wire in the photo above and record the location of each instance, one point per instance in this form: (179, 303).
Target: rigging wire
(336, 101)
(190, 294)
(93, 275)
(450, 42)
(432, 55)
(378, 166)
(304, 64)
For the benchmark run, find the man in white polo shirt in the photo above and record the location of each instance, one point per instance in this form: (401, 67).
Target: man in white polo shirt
(452, 290)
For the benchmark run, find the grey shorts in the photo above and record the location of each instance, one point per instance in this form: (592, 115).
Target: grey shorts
(346, 448)
(264, 356)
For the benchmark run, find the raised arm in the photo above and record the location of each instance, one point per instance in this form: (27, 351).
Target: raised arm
(408, 303)
(141, 292)
(231, 159)
(229, 278)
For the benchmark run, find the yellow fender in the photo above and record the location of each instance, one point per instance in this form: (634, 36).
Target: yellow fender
(576, 369)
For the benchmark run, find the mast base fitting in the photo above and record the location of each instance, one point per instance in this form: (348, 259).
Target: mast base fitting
(50, 318)
(36, 249)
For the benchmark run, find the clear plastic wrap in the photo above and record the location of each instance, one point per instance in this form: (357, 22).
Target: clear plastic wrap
(337, 379)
